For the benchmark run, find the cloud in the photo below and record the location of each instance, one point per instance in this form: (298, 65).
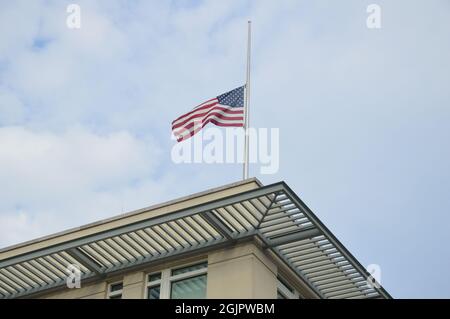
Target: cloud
(71, 176)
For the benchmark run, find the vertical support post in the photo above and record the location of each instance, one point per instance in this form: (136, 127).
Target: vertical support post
(247, 103)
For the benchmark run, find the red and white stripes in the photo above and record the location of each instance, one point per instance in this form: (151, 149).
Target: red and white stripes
(211, 111)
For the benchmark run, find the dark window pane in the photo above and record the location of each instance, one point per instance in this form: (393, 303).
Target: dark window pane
(116, 297)
(190, 288)
(189, 268)
(153, 292)
(116, 287)
(154, 277)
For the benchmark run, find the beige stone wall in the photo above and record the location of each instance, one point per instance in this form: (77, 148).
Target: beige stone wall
(241, 272)
(134, 286)
(92, 291)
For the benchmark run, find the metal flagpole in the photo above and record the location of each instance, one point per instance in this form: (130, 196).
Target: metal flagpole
(247, 103)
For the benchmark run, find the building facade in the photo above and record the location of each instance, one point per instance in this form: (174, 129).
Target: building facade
(243, 240)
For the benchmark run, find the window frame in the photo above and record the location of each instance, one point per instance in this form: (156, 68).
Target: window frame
(166, 280)
(287, 290)
(115, 293)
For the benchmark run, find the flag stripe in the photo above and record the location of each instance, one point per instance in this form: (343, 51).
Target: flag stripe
(207, 102)
(218, 108)
(193, 132)
(195, 125)
(217, 115)
(201, 107)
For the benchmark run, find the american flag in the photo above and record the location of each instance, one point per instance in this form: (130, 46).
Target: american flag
(224, 110)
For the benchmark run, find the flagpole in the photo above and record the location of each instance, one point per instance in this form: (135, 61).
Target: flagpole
(247, 103)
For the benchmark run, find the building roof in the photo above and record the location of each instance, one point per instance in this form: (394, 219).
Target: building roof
(208, 220)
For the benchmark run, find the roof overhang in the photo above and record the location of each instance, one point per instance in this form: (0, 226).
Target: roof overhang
(273, 214)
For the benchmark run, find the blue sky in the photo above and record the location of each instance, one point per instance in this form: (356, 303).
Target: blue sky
(363, 116)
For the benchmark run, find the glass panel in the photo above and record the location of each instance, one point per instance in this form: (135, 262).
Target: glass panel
(190, 288)
(116, 287)
(189, 268)
(154, 277)
(116, 297)
(153, 292)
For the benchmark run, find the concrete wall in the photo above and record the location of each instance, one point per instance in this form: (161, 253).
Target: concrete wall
(241, 272)
(134, 286)
(92, 291)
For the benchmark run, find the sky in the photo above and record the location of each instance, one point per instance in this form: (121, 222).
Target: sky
(363, 116)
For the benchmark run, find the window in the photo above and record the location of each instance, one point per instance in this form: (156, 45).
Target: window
(115, 290)
(190, 288)
(286, 291)
(188, 282)
(154, 286)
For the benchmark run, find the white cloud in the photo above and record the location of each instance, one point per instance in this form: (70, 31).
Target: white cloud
(72, 177)
(75, 158)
